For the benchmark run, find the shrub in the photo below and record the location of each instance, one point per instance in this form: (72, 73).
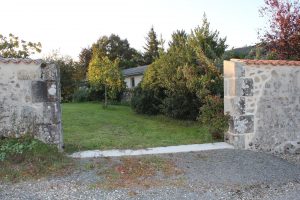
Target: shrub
(96, 93)
(181, 105)
(185, 75)
(81, 95)
(145, 101)
(212, 114)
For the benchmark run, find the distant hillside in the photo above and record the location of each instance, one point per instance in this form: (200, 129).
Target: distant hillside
(241, 53)
(242, 50)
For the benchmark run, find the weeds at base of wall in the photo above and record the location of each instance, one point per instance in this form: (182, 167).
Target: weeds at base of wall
(27, 158)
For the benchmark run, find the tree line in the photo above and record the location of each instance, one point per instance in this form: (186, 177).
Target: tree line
(183, 81)
(75, 75)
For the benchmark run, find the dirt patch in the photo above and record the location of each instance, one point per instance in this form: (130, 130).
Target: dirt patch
(142, 172)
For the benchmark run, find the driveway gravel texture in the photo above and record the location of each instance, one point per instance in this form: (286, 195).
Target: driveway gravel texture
(217, 174)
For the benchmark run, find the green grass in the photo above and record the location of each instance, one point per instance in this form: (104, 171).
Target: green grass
(88, 126)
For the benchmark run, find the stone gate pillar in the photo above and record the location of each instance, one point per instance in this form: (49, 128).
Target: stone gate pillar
(263, 100)
(30, 100)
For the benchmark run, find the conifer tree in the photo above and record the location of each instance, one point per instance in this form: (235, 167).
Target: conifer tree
(161, 45)
(151, 48)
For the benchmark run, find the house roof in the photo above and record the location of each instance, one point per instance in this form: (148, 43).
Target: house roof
(135, 71)
(21, 60)
(268, 62)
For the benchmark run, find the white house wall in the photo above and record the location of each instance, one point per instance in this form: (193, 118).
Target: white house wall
(137, 80)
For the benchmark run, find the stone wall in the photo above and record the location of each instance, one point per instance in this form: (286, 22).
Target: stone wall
(263, 99)
(30, 100)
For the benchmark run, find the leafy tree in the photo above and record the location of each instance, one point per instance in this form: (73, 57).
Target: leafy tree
(151, 48)
(282, 39)
(13, 47)
(72, 74)
(104, 72)
(187, 72)
(137, 59)
(114, 48)
(85, 57)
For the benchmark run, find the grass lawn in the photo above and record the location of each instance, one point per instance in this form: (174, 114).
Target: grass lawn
(89, 126)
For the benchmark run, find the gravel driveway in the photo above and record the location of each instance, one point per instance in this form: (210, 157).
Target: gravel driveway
(218, 174)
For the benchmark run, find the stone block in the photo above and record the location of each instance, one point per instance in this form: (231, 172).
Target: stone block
(48, 133)
(25, 74)
(231, 125)
(52, 91)
(226, 87)
(229, 69)
(50, 113)
(39, 91)
(29, 116)
(240, 105)
(241, 70)
(238, 141)
(231, 88)
(243, 124)
(234, 105)
(246, 86)
(49, 72)
(233, 69)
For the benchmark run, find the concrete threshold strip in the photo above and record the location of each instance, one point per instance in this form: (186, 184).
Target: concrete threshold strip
(155, 150)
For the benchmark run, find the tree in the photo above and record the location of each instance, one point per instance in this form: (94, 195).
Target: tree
(85, 57)
(212, 45)
(13, 47)
(179, 39)
(151, 48)
(114, 48)
(186, 73)
(137, 59)
(103, 71)
(71, 74)
(282, 38)
(161, 45)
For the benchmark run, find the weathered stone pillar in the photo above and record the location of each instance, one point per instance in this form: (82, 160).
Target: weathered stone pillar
(237, 90)
(30, 100)
(263, 99)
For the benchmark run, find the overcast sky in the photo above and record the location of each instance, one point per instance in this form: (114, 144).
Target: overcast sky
(69, 25)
